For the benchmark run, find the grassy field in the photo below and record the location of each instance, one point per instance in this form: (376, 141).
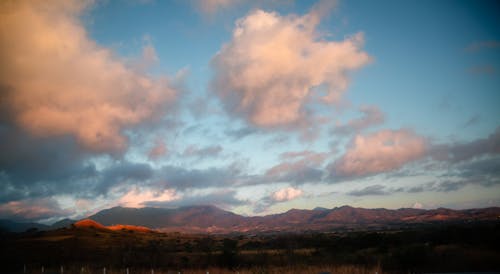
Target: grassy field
(347, 269)
(457, 248)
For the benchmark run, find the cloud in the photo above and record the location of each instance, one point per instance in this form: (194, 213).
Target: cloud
(38, 167)
(371, 116)
(369, 190)
(279, 196)
(184, 178)
(417, 205)
(275, 66)
(298, 167)
(379, 152)
(240, 133)
(213, 6)
(56, 81)
(159, 149)
(203, 152)
(286, 194)
(483, 69)
(457, 152)
(477, 46)
(123, 172)
(222, 198)
(138, 197)
(31, 210)
(472, 121)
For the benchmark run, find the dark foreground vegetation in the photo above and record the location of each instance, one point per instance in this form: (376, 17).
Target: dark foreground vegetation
(445, 248)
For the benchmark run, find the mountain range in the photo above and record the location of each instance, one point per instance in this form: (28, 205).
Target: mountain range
(202, 219)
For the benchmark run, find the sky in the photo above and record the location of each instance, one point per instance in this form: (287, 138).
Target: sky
(256, 107)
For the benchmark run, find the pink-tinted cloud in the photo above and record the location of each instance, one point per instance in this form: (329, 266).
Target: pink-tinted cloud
(476, 46)
(58, 81)
(32, 209)
(158, 150)
(378, 152)
(372, 116)
(286, 194)
(268, 72)
(212, 6)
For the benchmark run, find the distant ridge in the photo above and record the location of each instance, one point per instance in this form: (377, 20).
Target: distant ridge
(213, 219)
(210, 219)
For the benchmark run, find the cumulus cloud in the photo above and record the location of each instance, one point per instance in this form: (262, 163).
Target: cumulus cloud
(279, 196)
(286, 194)
(275, 66)
(378, 152)
(57, 81)
(372, 116)
(138, 197)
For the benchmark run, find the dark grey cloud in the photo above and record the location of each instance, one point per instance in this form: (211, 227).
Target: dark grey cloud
(123, 172)
(182, 178)
(34, 167)
(372, 116)
(370, 190)
(465, 151)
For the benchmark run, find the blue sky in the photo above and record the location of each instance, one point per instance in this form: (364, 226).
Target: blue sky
(253, 106)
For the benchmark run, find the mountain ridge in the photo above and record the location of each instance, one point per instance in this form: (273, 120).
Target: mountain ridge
(211, 219)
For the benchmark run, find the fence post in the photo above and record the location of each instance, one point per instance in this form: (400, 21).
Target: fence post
(43, 269)
(62, 269)
(127, 270)
(104, 270)
(24, 268)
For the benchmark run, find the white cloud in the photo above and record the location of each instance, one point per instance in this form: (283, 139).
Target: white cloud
(417, 205)
(137, 197)
(286, 194)
(268, 71)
